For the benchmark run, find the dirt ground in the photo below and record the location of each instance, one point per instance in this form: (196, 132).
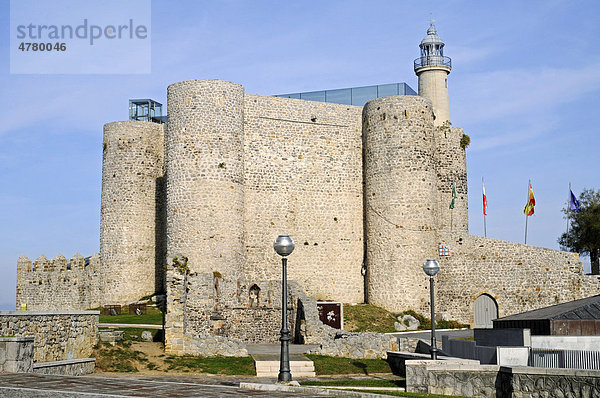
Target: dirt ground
(145, 357)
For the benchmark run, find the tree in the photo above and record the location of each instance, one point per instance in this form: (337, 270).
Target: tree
(583, 236)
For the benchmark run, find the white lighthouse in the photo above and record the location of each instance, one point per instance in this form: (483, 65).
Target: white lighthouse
(432, 69)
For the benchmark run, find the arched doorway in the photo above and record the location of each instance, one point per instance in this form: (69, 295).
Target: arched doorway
(484, 310)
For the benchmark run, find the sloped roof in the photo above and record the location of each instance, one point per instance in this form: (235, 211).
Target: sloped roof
(586, 308)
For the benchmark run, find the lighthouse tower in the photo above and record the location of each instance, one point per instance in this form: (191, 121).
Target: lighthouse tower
(432, 69)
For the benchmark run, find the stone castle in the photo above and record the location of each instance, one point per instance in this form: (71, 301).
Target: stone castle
(363, 191)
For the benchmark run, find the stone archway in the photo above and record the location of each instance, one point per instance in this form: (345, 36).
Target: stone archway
(485, 309)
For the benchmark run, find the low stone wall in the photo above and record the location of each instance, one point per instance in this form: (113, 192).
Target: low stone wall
(16, 354)
(72, 367)
(357, 345)
(437, 377)
(398, 360)
(526, 381)
(57, 335)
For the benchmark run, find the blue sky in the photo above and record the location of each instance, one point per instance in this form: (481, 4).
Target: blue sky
(525, 86)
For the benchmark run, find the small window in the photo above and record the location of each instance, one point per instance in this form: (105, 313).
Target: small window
(254, 296)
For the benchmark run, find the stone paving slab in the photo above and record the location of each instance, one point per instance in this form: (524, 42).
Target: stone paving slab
(307, 391)
(26, 385)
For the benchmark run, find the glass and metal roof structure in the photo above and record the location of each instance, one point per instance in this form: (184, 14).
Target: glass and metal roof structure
(146, 110)
(354, 95)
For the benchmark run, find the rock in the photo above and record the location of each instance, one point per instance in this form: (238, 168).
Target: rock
(413, 323)
(110, 336)
(442, 316)
(146, 335)
(399, 326)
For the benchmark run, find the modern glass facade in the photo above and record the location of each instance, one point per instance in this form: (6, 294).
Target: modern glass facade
(355, 95)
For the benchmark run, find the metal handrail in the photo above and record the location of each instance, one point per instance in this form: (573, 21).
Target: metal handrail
(433, 60)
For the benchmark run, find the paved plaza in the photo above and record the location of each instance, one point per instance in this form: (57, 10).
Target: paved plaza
(33, 385)
(36, 385)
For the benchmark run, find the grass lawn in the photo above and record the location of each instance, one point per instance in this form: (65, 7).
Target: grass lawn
(213, 365)
(120, 358)
(368, 318)
(152, 317)
(325, 365)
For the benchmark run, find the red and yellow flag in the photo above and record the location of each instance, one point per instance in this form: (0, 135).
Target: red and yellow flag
(529, 207)
(484, 198)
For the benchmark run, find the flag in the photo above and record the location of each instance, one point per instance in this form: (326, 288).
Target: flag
(529, 207)
(484, 198)
(454, 195)
(575, 205)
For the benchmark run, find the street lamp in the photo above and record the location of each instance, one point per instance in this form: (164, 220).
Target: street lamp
(284, 246)
(431, 268)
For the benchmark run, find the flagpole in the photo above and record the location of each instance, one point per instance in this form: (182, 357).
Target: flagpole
(526, 215)
(484, 215)
(568, 214)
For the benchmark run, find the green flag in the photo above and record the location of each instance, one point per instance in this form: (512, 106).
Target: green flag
(454, 195)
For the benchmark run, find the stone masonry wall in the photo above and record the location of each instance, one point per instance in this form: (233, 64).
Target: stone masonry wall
(59, 284)
(131, 228)
(303, 177)
(519, 277)
(201, 306)
(205, 175)
(231, 313)
(58, 335)
(400, 183)
(451, 166)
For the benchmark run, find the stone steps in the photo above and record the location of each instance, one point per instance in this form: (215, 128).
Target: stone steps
(298, 368)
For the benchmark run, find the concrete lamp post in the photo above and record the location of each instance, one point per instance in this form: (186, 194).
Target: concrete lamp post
(431, 268)
(284, 246)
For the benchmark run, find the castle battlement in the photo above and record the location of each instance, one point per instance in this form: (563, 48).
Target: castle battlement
(59, 283)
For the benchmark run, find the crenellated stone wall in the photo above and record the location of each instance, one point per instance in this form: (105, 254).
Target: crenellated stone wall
(59, 284)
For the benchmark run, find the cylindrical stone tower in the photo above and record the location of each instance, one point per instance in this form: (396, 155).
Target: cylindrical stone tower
(451, 171)
(400, 199)
(130, 236)
(205, 192)
(432, 69)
